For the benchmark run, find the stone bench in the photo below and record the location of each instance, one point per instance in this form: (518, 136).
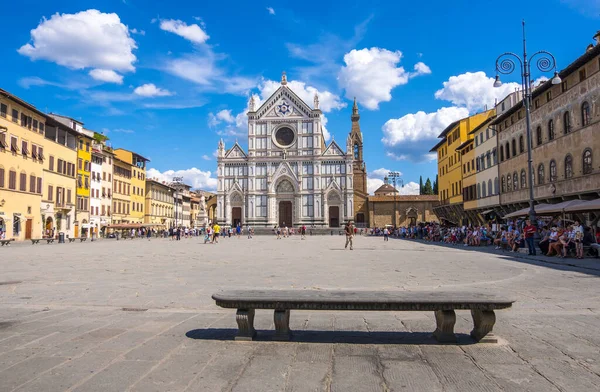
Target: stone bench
(443, 304)
(81, 239)
(6, 242)
(71, 239)
(49, 240)
(36, 240)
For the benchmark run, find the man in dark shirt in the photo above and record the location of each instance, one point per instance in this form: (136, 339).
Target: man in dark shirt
(529, 231)
(349, 234)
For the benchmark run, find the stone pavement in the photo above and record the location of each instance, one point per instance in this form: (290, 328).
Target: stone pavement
(137, 316)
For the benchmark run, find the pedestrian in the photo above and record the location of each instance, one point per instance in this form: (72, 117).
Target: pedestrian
(249, 228)
(238, 230)
(349, 229)
(578, 237)
(178, 234)
(278, 232)
(529, 231)
(216, 231)
(303, 232)
(148, 234)
(386, 234)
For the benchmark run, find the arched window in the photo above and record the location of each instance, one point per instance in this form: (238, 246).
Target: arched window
(503, 184)
(508, 183)
(496, 187)
(551, 130)
(507, 150)
(521, 144)
(495, 156)
(587, 161)
(490, 190)
(515, 181)
(356, 150)
(483, 189)
(538, 135)
(514, 146)
(553, 174)
(478, 191)
(488, 158)
(568, 166)
(501, 154)
(586, 114)
(541, 176)
(523, 179)
(566, 123)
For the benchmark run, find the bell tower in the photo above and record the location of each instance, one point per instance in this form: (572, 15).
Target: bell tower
(359, 170)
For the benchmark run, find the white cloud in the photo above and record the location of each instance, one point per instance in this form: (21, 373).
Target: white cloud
(379, 173)
(150, 90)
(224, 115)
(370, 75)
(271, 10)
(373, 184)
(121, 130)
(327, 100)
(195, 177)
(87, 39)
(106, 75)
(191, 32)
(136, 31)
(411, 188)
(410, 137)
(196, 69)
(421, 69)
(206, 158)
(474, 90)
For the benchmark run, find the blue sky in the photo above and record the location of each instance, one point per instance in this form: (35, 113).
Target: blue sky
(168, 80)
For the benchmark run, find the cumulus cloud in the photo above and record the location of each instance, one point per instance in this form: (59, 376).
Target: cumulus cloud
(106, 75)
(370, 75)
(271, 10)
(206, 158)
(327, 100)
(474, 90)
(411, 188)
(136, 31)
(150, 90)
(192, 33)
(222, 116)
(87, 39)
(373, 184)
(380, 173)
(195, 177)
(410, 137)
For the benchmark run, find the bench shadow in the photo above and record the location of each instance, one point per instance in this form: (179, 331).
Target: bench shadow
(351, 337)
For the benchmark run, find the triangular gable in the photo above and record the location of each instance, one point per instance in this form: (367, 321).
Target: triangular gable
(235, 152)
(301, 107)
(334, 149)
(235, 188)
(284, 169)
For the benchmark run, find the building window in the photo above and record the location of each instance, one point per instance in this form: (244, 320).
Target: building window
(537, 103)
(503, 184)
(261, 206)
(538, 135)
(568, 166)
(50, 192)
(553, 174)
(515, 181)
(549, 96)
(564, 86)
(541, 175)
(23, 182)
(521, 144)
(587, 161)
(551, 130)
(308, 206)
(514, 147)
(582, 75)
(3, 110)
(566, 123)
(501, 154)
(508, 183)
(523, 179)
(32, 183)
(585, 114)
(15, 115)
(12, 180)
(507, 150)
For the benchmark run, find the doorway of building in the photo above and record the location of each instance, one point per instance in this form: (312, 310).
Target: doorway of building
(236, 216)
(334, 216)
(48, 226)
(360, 220)
(285, 213)
(28, 228)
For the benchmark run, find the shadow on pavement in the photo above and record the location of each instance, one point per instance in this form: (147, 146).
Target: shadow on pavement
(353, 337)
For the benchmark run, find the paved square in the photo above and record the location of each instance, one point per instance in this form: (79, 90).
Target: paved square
(137, 315)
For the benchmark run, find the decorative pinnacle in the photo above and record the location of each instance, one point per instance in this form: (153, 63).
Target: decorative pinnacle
(355, 116)
(283, 78)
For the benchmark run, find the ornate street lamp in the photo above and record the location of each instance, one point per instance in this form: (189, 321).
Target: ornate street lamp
(395, 176)
(505, 64)
(177, 184)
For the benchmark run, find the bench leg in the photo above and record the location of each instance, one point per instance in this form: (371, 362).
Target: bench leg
(483, 322)
(445, 319)
(245, 322)
(282, 324)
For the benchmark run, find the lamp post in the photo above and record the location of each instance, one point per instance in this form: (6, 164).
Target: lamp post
(177, 182)
(395, 176)
(505, 64)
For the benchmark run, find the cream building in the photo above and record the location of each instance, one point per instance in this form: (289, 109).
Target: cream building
(159, 204)
(289, 176)
(107, 186)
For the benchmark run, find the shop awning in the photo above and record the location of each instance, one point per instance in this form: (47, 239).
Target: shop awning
(525, 211)
(592, 205)
(558, 208)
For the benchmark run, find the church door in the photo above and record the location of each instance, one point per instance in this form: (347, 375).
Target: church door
(236, 216)
(334, 216)
(28, 229)
(285, 213)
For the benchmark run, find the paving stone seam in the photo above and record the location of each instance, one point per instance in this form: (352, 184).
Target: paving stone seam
(162, 361)
(380, 370)
(535, 369)
(234, 381)
(121, 356)
(328, 378)
(485, 373)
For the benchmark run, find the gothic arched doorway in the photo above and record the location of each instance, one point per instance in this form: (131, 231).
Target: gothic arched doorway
(285, 203)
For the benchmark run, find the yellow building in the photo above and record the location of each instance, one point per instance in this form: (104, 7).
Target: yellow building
(450, 166)
(469, 183)
(22, 157)
(137, 164)
(58, 197)
(159, 204)
(121, 196)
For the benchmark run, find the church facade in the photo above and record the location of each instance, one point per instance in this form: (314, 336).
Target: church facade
(289, 176)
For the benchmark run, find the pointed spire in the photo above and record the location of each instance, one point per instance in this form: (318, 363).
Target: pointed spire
(316, 101)
(283, 79)
(355, 116)
(251, 103)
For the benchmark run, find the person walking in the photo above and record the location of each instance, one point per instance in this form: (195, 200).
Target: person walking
(249, 229)
(349, 229)
(529, 231)
(216, 232)
(386, 234)
(303, 232)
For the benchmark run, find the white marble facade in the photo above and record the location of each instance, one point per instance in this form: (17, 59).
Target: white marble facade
(289, 176)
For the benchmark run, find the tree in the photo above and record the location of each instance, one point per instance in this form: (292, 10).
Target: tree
(420, 185)
(435, 185)
(427, 189)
